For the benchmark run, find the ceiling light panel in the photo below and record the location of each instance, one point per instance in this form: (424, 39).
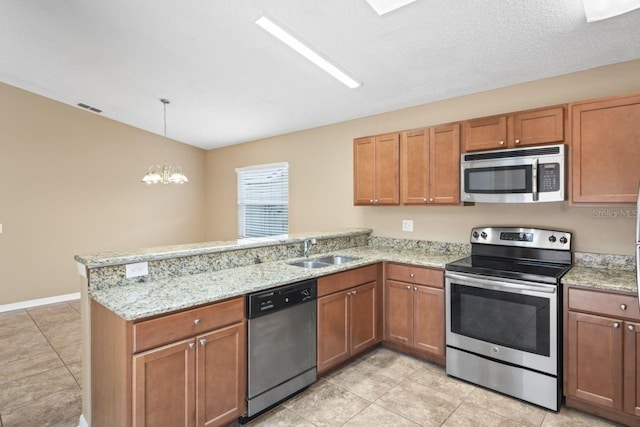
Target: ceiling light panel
(385, 6)
(304, 50)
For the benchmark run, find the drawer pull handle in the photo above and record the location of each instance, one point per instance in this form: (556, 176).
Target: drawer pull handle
(192, 346)
(203, 342)
(411, 275)
(630, 327)
(196, 322)
(616, 325)
(623, 307)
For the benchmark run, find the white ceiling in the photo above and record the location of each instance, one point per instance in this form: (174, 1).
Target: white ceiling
(230, 82)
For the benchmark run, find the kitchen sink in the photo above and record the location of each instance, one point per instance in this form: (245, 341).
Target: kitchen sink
(336, 259)
(323, 262)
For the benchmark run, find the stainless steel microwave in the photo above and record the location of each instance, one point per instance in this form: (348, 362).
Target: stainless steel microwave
(521, 175)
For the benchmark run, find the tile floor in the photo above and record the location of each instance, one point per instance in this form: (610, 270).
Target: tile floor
(40, 386)
(40, 366)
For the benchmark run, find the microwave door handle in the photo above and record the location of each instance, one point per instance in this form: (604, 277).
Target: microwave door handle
(534, 180)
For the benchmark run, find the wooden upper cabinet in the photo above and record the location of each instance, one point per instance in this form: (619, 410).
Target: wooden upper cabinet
(606, 150)
(376, 170)
(430, 165)
(533, 127)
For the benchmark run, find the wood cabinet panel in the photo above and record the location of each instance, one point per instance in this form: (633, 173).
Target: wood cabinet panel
(162, 330)
(538, 127)
(376, 164)
(398, 303)
(333, 330)
(606, 150)
(444, 164)
(487, 133)
(364, 171)
(363, 302)
(346, 279)
(414, 166)
(221, 376)
(163, 387)
(595, 360)
(415, 275)
(605, 303)
(428, 320)
(632, 368)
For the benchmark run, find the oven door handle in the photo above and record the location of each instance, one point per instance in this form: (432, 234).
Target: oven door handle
(500, 284)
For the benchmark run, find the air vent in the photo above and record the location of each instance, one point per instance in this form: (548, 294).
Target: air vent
(89, 107)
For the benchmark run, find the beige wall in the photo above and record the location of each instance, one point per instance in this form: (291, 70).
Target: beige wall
(321, 188)
(70, 184)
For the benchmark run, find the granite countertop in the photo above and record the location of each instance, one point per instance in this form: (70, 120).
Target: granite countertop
(606, 279)
(140, 300)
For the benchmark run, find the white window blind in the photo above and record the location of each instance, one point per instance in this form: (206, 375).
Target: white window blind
(263, 200)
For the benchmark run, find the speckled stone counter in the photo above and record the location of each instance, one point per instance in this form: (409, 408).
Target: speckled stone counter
(604, 272)
(140, 300)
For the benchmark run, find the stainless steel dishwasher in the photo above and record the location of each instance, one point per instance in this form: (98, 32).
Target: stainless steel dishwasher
(282, 344)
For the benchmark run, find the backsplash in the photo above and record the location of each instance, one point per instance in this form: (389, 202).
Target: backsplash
(427, 246)
(608, 261)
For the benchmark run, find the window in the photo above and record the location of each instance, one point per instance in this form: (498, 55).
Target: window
(263, 200)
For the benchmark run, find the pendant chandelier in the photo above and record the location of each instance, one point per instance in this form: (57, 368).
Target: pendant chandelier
(165, 174)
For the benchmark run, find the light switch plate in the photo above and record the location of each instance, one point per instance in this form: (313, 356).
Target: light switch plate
(0, 228)
(407, 225)
(136, 270)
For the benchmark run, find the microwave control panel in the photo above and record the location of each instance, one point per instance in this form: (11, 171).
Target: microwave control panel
(549, 177)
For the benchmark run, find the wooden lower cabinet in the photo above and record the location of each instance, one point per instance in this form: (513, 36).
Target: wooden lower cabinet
(195, 381)
(414, 310)
(602, 348)
(348, 321)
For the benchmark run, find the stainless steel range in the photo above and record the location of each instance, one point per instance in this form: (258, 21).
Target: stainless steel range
(504, 323)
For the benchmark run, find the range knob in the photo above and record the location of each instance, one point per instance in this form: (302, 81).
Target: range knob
(563, 240)
(552, 238)
(475, 234)
(483, 235)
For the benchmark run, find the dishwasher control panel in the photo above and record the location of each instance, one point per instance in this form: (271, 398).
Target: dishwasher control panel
(276, 299)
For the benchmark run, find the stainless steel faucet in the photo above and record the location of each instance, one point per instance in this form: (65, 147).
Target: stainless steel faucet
(308, 244)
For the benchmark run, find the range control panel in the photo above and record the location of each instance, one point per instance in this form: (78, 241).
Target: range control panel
(523, 237)
(280, 298)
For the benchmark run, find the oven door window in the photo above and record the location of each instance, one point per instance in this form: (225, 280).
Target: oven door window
(507, 319)
(498, 180)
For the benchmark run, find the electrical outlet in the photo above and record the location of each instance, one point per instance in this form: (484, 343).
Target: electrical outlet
(136, 270)
(407, 225)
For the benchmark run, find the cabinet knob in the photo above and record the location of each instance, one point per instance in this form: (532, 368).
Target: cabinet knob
(623, 307)
(354, 292)
(408, 287)
(203, 342)
(517, 141)
(415, 288)
(630, 327)
(501, 142)
(410, 274)
(196, 322)
(431, 199)
(375, 200)
(370, 200)
(616, 325)
(192, 346)
(424, 199)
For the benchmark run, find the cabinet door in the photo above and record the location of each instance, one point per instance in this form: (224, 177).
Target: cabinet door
(363, 317)
(364, 171)
(387, 165)
(333, 330)
(444, 165)
(164, 386)
(221, 375)
(428, 319)
(632, 368)
(594, 361)
(398, 326)
(487, 133)
(606, 150)
(538, 127)
(414, 164)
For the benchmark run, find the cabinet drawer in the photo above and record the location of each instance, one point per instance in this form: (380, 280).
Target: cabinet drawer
(166, 329)
(419, 275)
(347, 279)
(604, 303)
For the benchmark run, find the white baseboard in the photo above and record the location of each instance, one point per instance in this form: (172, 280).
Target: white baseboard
(39, 301)
(83, 422)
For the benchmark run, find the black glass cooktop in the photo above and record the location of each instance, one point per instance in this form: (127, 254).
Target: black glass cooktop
(510, 268)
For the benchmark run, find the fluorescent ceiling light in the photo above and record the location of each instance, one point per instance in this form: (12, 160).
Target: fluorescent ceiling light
(305, 51)
(385, 6)
(597, 10)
